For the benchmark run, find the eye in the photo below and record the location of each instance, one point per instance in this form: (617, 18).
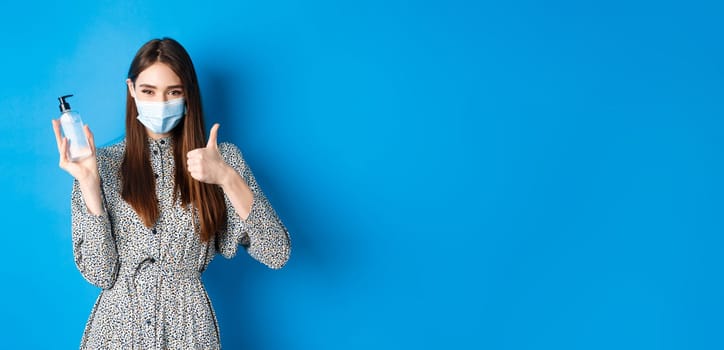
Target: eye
(147, 92)
(176, 92)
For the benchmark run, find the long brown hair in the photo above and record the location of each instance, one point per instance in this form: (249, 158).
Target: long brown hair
(139, 186)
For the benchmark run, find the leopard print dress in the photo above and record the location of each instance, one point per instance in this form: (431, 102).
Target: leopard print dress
(152, 296)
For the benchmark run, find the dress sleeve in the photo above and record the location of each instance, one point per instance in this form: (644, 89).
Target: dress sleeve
(263, 234)
(94, 248)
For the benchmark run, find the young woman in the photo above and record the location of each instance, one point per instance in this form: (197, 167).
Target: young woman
(149, 213)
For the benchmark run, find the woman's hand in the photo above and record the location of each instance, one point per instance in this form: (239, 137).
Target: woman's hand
(205, 164)
(84, 170)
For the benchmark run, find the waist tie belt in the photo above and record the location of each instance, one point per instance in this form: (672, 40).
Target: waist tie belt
(166, 272)
(132, 270)
(179, 273)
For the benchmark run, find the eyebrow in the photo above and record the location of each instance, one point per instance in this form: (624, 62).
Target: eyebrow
(168, 88)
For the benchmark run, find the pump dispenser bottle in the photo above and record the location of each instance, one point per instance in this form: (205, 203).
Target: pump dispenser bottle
(72, 127)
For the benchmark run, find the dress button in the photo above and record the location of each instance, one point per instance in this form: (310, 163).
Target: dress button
(152, 260)
(155, 152)
(148, 322)
(156, 175)
(153, 231)
(163, 142)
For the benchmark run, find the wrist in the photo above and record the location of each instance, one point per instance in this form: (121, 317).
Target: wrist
(91, 180)
(229, 175)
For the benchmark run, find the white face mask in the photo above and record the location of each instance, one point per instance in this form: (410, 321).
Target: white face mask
(161, 117)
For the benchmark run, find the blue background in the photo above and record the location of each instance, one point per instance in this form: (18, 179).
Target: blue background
(454, 174)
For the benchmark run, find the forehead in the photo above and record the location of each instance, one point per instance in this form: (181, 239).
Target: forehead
(159, 75)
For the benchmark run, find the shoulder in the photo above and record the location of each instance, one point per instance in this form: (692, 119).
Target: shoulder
(229, 149)
(110, 157)
(231, 153)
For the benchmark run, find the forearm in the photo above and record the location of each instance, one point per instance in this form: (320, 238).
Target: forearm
(91, 190)
(252, 222)
(95, 251)
(94, 247)
(238, 192)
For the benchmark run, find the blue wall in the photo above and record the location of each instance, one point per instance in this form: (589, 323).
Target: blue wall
(534, 175)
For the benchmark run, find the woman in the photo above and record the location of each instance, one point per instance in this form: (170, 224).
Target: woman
(149, 213)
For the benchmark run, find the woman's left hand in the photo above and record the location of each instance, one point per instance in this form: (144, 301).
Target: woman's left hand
(205, 164)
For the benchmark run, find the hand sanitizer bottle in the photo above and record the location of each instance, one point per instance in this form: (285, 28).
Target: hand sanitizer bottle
(72, 127)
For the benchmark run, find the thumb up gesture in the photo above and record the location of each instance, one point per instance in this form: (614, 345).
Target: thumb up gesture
(205, 164)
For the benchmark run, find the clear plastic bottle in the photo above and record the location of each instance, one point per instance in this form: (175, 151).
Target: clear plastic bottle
(72, 127)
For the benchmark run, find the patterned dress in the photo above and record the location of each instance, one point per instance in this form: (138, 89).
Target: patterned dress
(152, 296)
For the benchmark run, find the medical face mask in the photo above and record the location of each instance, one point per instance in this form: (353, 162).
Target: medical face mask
(161, 117)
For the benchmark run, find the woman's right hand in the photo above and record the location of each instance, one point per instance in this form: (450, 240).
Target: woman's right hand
(84, 170)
